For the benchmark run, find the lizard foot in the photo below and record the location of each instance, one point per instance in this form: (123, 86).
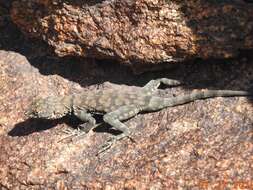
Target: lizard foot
(81, 130)
(112, 141)
(71, 133)
(106, 146)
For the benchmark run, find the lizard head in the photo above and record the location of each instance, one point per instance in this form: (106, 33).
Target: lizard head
(52, 107)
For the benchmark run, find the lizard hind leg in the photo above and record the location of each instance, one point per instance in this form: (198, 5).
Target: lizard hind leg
(152, 85)
(114, 118)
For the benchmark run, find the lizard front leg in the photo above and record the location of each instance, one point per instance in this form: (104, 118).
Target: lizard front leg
(114, 118)
(89, 121)
(152, 85)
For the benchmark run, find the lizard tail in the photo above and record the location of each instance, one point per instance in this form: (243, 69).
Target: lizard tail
(157, 103)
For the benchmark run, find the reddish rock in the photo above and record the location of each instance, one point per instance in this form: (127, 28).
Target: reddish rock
(205, 144)
(139, 33)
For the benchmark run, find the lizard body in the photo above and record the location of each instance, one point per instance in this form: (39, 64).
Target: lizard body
(117, 105)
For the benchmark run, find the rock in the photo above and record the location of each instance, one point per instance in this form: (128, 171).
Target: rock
(205, 144)
(144, 34)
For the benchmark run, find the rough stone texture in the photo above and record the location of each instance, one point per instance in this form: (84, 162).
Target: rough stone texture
(205, 144)
(139, 31)
(195, 146)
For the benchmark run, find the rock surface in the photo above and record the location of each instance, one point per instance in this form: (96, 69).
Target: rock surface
(205, 144)
(139, 32)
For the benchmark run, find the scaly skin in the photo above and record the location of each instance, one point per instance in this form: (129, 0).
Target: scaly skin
(117, 105)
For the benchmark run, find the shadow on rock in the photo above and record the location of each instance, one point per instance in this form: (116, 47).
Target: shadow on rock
(31, 126)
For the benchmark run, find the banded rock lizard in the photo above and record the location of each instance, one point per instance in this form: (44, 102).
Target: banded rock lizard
(117, 105)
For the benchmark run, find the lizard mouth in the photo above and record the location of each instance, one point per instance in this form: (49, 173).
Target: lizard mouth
(31, 114)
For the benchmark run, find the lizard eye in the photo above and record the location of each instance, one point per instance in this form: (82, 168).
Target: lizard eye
(31, 113)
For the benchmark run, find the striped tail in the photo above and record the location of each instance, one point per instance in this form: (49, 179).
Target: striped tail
(157, 103)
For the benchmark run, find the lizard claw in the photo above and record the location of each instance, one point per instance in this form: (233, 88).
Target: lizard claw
(106, 146)
(71, 133)
(131, 139)
(80, 131)
(113, 140)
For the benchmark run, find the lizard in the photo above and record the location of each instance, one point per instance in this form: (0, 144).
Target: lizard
(117, 105)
